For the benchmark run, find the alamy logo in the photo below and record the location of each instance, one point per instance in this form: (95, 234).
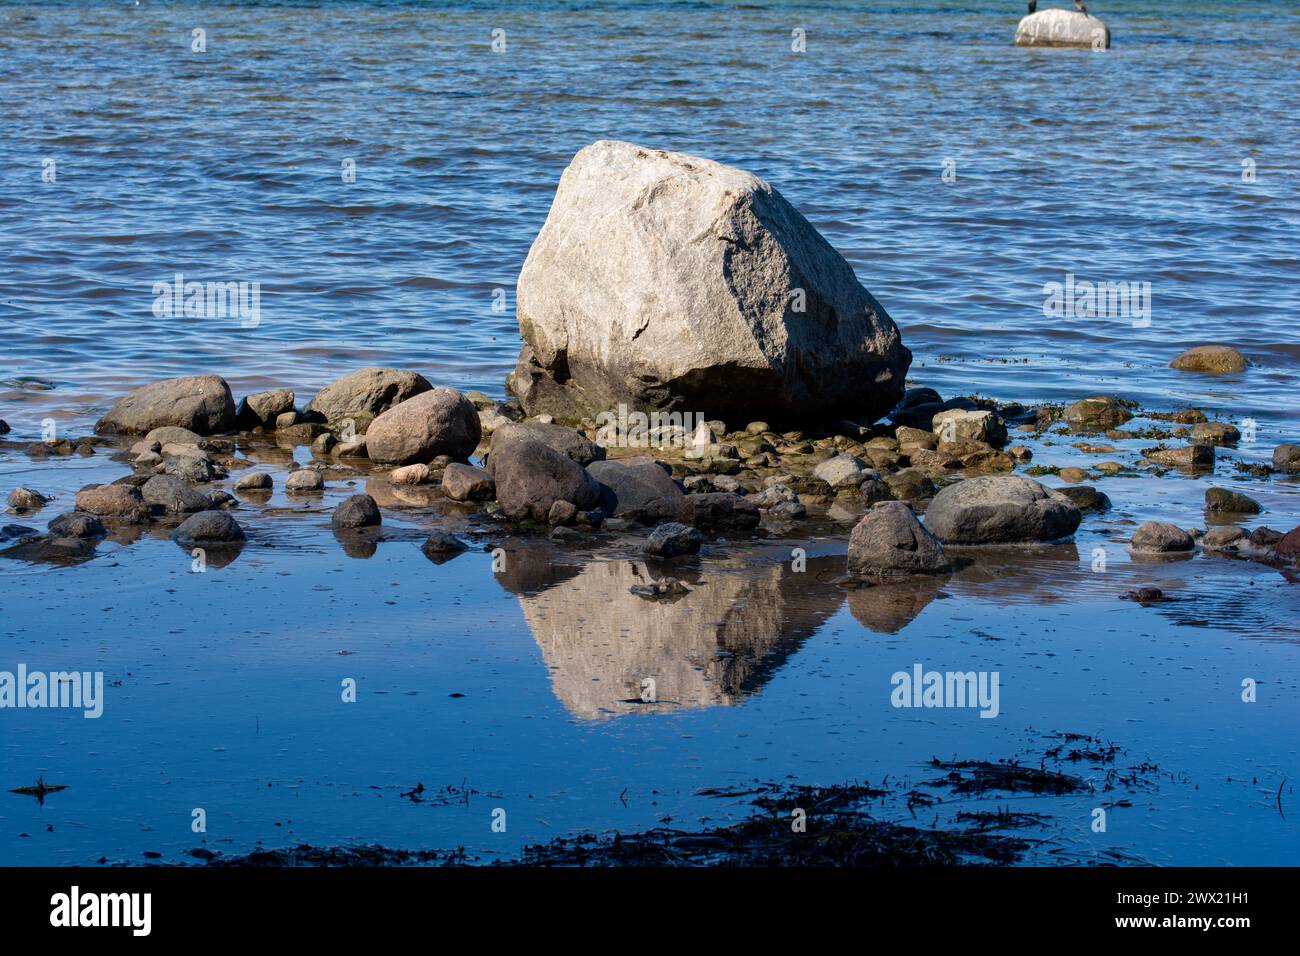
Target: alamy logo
(208, 300)
(922, 688)
(633, 429)
(76, 690)
(134, 910)
(1081, 299)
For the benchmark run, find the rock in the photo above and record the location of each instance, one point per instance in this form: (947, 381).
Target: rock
(351, 448)
(371, 391)
(567, 441)
(1086, 498)
(173, 495)
(562, 535)
(874, 490)
(562, 512)
(757, 428)
(990, 459)
(935, 460)
(27, 499)
(122, 502)
(304, 480)
(1100, 411)
(357, 511)
(910, 484)
(958, 424)
(4, 427)
(842, 471)
(1288, 548)
(1265, 539)
(467, 483)
(660, 588)
(1072, 475)
(440, 421)
(490, 419)
(168, 435)
(285, 420)
(905, 435)
(76, 524)
(323, 443)
(257, 481)
(1021, 453)
(1212, 360)
(1221, 499)
(1188, 456)
(994, 509)
(190, 468)
(1224, 538)
(1159, 537)
(637, 488)
(222, 499)
(774, 494)
(719, 511)
(208, 529)
(417, 474)
(1215, 433)
(201, 403)
(530, 477)
(1286, 459)
(261, 409)
(1062, 28)
(302, 433)
(661, 280)
(671, 540)
(788, 511)
(440, 546)
(889, 540)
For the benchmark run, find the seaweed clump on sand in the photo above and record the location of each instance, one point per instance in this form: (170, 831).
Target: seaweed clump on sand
(843, 839)
(306, 855)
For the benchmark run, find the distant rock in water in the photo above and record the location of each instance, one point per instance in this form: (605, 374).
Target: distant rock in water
(665, 281)
(1211, 360)
(1057, 27)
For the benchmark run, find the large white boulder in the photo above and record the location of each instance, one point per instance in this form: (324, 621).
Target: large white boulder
(666, 281)
(1058, 27)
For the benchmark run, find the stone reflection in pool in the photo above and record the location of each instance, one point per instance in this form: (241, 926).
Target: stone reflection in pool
(715, 645)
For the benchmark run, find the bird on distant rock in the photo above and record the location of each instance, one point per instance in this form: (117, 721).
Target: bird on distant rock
(1082, 9)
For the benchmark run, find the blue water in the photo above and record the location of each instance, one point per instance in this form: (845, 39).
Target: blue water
(225, 165)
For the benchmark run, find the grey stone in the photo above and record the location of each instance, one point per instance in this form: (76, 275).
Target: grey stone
(671, 540)
(371, 391)
(637, 487)
(662, 280)
(467, 483)
(208, 528)
(357, 511)
(994, 509)
(1222, 499)
(889, 540)
(1159, 537)
(201, 403)
(567, 441)
(173, 495)
(1062, 28)
(530, 477)
(440, 421)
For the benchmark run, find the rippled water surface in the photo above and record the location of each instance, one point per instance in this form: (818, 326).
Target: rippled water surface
(226, 165)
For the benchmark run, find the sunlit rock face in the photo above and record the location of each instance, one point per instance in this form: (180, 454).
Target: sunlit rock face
(1062, 28)
(712, 646)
